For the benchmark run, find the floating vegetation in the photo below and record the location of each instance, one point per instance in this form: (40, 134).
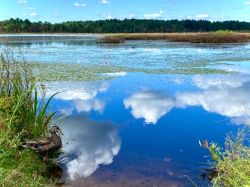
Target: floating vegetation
(60, 71)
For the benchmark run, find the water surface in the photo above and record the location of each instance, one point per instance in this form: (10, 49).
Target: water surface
(142, 129)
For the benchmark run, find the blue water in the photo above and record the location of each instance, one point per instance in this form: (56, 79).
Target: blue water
(142, 129)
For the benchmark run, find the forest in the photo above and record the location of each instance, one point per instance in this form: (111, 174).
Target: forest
(120, 26)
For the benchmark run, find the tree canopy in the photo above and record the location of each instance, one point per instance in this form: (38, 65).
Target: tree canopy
(120, 26)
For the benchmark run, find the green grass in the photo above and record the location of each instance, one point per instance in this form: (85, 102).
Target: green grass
(22, 116)
(21, 168)
(233, 163)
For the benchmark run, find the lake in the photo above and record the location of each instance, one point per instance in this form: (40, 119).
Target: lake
(138, 122)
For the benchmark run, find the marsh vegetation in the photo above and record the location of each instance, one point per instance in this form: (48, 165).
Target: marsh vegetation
(212, 37)
(231, 164)
(22, 116)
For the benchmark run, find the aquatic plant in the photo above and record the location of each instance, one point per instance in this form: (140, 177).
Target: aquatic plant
(232, 165)
(76, 72)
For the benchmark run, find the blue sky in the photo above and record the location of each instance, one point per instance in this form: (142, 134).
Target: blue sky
(68, 10)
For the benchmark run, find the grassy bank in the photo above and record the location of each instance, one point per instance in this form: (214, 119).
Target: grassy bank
(211, 37)
(231, 165)
(22, 116)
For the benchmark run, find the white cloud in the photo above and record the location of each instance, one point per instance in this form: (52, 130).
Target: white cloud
(80, 96)
(227, 97)
(80, 5)
(208, 82)
(108, 16)
(88, 105)
(149, 105)
(154, 15)
(105, 1)
(30, 11)
(76, 91)
(131, 16)
(247, 2)
(221, 97)
(22, 1)
(87, 144)
(33, 14)
(202, 16)
(116, 74)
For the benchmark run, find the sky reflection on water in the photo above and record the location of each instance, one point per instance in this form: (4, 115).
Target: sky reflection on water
(147, 130)
(142, 129)
(89, 144)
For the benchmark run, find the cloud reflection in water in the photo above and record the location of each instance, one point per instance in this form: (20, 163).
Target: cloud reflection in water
(81, 96)
(150, 105)
(88, 144)
(227, 97)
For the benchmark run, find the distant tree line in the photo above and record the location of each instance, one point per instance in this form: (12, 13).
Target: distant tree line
(121, 26)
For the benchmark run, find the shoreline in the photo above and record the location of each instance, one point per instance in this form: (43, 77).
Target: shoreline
(218, 37)
(114, 33)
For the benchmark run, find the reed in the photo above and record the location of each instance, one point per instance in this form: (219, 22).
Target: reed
(211, 37)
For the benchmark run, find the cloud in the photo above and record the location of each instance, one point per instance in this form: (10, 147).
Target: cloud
(105, 1)
(22, 1)
(80, 5)
(202, 16)
(87, 106)
(247, 2)
(131, 16)
(224, 98)
(154, 15)
(79, 96)
(108, 16)
(33, 14)
(149, 105)
(87, 144)
(226, 82)
(76, 91)
(30, 11)
(116, 74)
